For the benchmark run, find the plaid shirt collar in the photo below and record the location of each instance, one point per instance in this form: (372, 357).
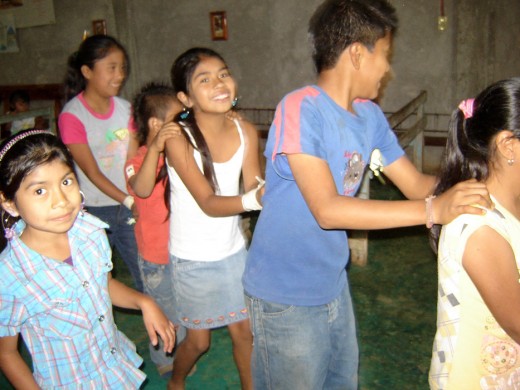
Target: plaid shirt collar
(30, 262)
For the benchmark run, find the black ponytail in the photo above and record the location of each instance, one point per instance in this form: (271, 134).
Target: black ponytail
(469, 148)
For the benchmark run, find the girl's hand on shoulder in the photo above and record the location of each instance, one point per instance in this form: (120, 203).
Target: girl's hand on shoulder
(467, 197)
(169, 130)
(233, 114)
(156, 323)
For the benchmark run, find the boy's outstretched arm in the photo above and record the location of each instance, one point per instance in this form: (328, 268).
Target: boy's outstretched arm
(334, 211)
(13, 366)
(412, 183)
(154, 319)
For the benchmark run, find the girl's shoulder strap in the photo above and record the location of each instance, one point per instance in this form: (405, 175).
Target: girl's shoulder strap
(240, 131)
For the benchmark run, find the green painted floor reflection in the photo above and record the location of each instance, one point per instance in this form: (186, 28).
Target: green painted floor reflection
(395, 303)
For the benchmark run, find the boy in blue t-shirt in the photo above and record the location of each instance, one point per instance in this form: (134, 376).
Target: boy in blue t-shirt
(319, 144)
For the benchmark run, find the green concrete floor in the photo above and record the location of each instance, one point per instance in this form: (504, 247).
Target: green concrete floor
(395, 302)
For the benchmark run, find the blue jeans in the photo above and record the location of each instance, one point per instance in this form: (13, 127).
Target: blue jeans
(121, 236)
(158, 283)
(304, 347)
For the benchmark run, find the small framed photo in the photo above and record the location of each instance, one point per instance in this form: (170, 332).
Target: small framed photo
(218, 23)
(99, 27)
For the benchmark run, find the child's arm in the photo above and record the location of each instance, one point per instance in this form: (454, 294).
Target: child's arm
(13, 365)
(83, 156)
(251, 164)
(154, 319)
(412, 183)
(334, 211)
(143, 182)
(133, 145)
(179, 154)
(490, 262)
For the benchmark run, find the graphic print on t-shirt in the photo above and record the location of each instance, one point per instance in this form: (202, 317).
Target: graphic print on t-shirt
(116, 149)
(353, 174)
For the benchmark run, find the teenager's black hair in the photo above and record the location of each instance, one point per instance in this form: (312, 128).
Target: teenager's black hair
(154, 100)
(469, 149)
(181, 73)
(336, 24)
(91, 50)
(24, 152)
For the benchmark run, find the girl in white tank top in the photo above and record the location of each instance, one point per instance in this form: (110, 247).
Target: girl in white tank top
(207, 247)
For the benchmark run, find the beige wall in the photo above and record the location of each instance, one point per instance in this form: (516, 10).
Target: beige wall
(267, 48)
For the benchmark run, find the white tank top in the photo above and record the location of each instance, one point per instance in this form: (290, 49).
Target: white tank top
(193, 234)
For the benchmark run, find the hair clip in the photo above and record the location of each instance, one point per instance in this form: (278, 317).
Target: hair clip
(9, 231)
(466, 106)
(19, 137)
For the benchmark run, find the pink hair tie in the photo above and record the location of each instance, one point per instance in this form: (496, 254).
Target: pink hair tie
(466, 106)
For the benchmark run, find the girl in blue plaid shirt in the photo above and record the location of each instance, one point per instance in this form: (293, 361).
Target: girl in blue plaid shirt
(56, 289)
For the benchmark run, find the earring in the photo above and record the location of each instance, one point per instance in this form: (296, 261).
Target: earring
(9, 232)
(82, 206)
(185, 113)
(510, 161)
(234, 102)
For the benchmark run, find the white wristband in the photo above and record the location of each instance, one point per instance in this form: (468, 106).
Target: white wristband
(249, 200)
(128, 202)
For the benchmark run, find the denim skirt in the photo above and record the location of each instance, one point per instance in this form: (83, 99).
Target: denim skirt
(209, 294)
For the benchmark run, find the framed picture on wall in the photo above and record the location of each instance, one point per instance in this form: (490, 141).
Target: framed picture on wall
(99, 27)
(218, 23)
